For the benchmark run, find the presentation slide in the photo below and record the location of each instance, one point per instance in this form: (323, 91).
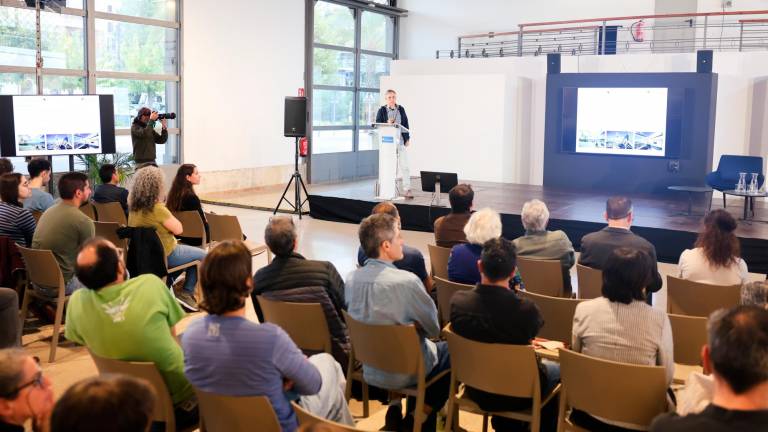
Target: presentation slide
(621, 121)
(57, 125)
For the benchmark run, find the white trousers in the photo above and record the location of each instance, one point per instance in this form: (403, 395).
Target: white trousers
(403, 168)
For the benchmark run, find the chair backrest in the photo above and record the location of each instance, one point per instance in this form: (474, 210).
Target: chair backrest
(42, 268)
(192, 225)
(558, 316)
(487, 366)
(730, 166)
(305, 323)
(163, 411)
(689, 334)
(88, 210)
(596, 385)
(686, 297)
(392, 348)
(110, 212)
(541, 276)
(108, 230)
(590, 282)
(223, 227)
(220, 413)
(306, 418)
(36, 214)
(438, 260)
(445, 291)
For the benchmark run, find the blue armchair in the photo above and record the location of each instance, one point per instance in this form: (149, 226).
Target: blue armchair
(728, 169)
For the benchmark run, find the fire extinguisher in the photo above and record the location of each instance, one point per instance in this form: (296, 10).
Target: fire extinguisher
(303, 147)
(637, 31)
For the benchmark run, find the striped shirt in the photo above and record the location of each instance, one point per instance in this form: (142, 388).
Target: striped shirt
(16, 223)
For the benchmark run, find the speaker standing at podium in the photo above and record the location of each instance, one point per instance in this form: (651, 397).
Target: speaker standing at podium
(395, 114)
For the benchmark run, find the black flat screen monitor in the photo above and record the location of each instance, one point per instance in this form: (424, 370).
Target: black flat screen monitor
(56, 125)
(447, 181)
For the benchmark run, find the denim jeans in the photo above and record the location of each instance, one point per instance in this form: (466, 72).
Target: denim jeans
(183, 254)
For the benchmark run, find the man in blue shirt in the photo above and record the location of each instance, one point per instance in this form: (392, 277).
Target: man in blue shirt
(380, 293)
(39, 176)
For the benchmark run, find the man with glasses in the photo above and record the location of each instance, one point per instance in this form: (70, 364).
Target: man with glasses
(24, 392)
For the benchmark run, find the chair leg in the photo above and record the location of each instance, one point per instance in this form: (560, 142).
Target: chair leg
(724, 205)
(56, 329)
(485, 422)
(366, 411)
(418, 412)
(25, 306)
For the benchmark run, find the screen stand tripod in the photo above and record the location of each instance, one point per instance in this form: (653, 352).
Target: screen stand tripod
(298, 185)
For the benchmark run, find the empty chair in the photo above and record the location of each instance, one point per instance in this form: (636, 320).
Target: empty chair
(220, 413)
(108, 230)
(88, 210)
(306, 418)
(689, 334)
(590, 282)
(193, 226)
(304, 322)
(486, 366)
(542, 276)
(558, 316)
(728, 169)
(395, 349)
(227, 227)
(43, 272)
(613, 391)
(445, 291)
(110, 212)
(163, 411)
(686, 297)
(438, 260)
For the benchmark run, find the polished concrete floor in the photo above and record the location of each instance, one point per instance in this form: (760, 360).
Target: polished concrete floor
(335, 242)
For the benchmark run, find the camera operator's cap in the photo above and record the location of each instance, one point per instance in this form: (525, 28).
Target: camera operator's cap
(144, 111)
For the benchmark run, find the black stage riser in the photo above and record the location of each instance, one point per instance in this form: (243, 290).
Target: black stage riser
(669, 243)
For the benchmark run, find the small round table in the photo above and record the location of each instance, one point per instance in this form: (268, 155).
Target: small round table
(692, 190)
(749, 200)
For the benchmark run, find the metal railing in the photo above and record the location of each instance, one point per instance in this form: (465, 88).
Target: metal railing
(670, 33)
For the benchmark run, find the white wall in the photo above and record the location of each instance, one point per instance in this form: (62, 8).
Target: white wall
(742, 107)
(240, 59)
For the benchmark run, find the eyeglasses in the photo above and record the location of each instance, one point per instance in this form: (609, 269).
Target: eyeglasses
(37, 381)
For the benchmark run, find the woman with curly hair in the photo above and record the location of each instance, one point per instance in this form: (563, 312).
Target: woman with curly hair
(148, 210)
(182, 197)
(715, 258)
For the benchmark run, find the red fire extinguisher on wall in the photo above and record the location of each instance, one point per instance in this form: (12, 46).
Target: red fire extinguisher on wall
(303, 147)
(637, 30)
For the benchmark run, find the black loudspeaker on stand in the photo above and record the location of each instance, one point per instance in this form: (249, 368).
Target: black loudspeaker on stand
(295, 121)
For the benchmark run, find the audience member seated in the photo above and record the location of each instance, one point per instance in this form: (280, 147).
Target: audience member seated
(755, 293)
(6, 166)
(412, 261)
(297, 277)
(129, 319)
(9, 318)
(147, 210)
(39, 176)
(16, 222)
(715, 259)
(229, 355)
(736, 355)
(620, 326)
(63, 228)
(493, 313)
(182, 197)
(380, 293)
(25, 393)
(109, 190)
(598, 246)
(449, 229)
(117, 403)
(484, 225)
(542, 244)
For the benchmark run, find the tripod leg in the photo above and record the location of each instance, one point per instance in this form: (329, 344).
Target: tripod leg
(285, 191)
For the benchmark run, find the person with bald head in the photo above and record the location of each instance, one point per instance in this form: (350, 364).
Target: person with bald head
(129, 319)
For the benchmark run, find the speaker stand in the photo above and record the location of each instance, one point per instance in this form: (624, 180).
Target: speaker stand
(298, 185)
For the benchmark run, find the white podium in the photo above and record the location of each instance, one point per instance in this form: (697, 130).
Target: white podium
(388, 139)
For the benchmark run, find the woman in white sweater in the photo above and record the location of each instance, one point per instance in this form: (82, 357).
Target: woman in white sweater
(715, 258)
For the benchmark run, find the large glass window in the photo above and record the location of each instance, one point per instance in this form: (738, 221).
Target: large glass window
(136, 45)
(353, 49)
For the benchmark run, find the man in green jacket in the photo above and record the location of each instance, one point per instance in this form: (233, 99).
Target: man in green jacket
(144, 136)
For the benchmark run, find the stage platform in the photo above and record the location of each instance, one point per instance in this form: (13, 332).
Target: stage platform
(657, 218)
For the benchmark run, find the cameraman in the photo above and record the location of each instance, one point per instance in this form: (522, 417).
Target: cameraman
(144, 137)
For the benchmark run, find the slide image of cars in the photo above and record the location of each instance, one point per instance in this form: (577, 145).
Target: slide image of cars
(87, 141)
(31, 142)
(59, 141)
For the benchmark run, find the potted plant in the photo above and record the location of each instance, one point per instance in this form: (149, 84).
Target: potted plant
(123, 162)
